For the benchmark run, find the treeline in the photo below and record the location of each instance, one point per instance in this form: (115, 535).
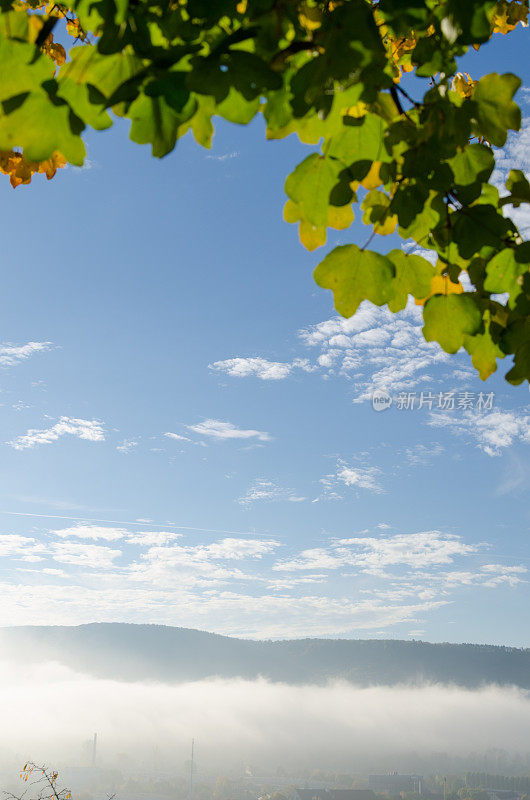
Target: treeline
(482, 780)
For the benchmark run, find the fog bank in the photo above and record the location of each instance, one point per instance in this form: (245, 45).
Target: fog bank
(48, 711)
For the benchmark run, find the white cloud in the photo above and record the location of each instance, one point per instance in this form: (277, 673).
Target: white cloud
(110, 534)
(267, 490)
(421, 454)
(126, 446)
(224, 156)
(177, 436)
(417, 550)
(24, 548)
(217, 429)
(237, 549)
(12, 354)
(493, 431)
(363, 477)
(92, 430)
(489, 576)
(259, 368)
(376, 349)
(160, 597)
(372, 349)
(359, 477)
(374, 554)
(91, 532)
(323, 333)
(241, 585)
(283, 584)
(152, 538)
(311, 559)
(199, 565)
(500, 573)
(84, 555)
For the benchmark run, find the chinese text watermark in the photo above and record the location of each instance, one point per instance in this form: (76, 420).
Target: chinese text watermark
(439, 401)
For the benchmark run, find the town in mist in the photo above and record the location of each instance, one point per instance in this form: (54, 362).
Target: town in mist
(250, 737)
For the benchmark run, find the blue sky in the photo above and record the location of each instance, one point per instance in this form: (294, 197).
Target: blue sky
(187, 431)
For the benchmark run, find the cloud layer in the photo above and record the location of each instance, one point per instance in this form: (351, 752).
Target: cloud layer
(248, 585)
(49, 710)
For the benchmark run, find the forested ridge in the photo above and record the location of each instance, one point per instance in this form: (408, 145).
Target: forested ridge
(154, 652)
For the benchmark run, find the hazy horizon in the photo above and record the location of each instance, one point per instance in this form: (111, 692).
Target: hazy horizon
(300, 637)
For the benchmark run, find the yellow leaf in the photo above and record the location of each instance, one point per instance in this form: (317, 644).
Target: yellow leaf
(311, 236)
(52, 9)
(508, 15)
(54, 50)
(360, 109)
(387, 226)
(463, 84)
(441, 284)
(73, 27)
(340, 217)
(21, 171)
(310, 17)
(291, 212)
(372, 180)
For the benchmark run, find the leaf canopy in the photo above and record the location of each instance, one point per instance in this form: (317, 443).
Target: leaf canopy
(334, 73)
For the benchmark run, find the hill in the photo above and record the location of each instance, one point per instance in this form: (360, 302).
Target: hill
(159, 653)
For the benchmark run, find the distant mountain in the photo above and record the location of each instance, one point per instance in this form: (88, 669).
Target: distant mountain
(159, 653)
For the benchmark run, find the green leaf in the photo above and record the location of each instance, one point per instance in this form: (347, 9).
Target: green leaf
(409, 202)
(234, 108)
(376, 206)
(155, 122)
(495, 110)
(354, 275)
(413, 277)
(474, 163)
(484, 352)
(310, 185)
(14, 25)
(516, 340)
(23, 68)
(479, 226)
(428, 57)
(201, 122)
(467, 22)
(517, 184)
(448, 318)
(40, 123)
(505, 270)
(245, 72)
(311, 127)
(360, 140)
(309, 188)
(427, 218)
(91, 81)
(402, 15)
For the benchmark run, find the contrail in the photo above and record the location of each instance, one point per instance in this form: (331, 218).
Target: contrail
(140, 524)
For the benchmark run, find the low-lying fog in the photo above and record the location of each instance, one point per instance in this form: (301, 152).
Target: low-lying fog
(48, 711)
